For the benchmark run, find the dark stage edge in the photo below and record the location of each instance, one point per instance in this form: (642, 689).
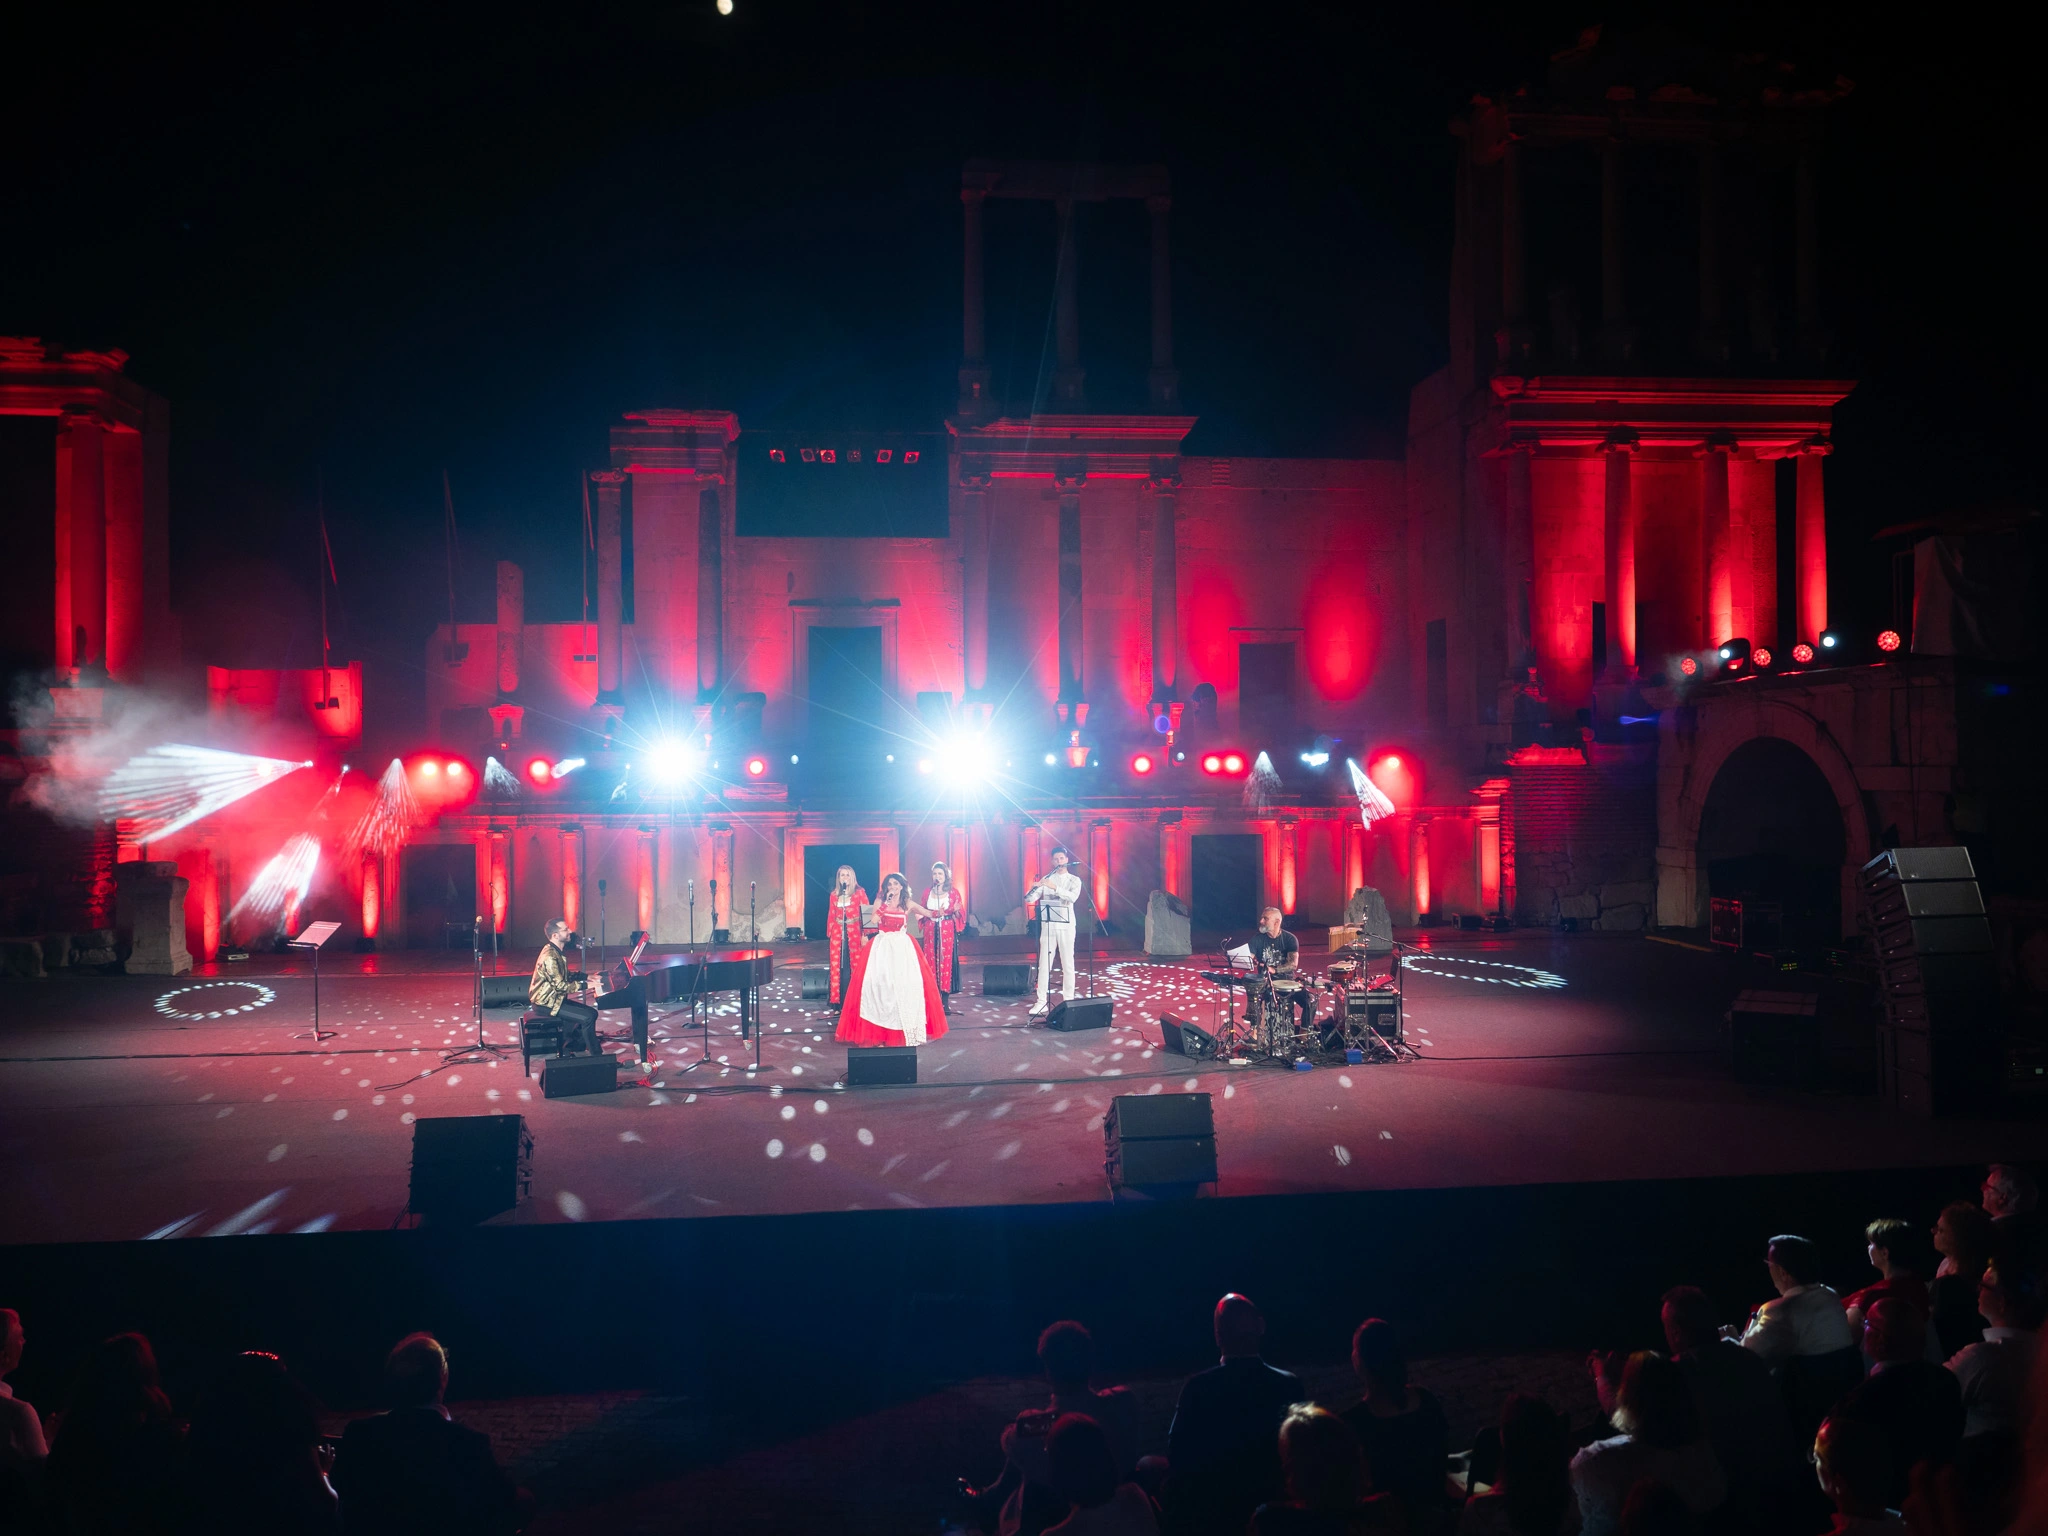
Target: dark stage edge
(1546, 1060)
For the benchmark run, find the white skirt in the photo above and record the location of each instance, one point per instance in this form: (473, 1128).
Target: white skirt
(892, 988)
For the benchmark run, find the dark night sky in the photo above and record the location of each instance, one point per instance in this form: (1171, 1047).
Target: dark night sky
(354, 249)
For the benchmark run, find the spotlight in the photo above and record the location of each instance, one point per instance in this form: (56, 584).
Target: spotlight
(540, 770)
(964, 759)
(430, 769)
(1830, 640)
(1233, 762)
(1734, 654)
(1802, 653)
(1142, 764)
(1392, 761)
(1687, 666)
(1213, 763)
(1052, 760)
(1761, 656)
(792, 759)
(1888, 640)
(725, 7)
(756, 766)
(671, 761)
(1179, 755)
(1316, 759)
(888, 757)
(457, 770)
(567, 766)
(924, 765)
(1225, 764)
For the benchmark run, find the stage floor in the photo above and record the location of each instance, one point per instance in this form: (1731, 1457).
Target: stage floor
(1545, 1059)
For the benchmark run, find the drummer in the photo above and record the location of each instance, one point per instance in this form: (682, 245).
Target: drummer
(1279, 955)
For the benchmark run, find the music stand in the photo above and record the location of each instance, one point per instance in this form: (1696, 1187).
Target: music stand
(316, 934)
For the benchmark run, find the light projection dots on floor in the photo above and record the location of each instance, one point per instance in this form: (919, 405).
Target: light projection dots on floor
(1510, 975)
(181, 1002)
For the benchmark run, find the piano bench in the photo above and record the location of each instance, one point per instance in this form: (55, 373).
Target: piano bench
(539, 1033)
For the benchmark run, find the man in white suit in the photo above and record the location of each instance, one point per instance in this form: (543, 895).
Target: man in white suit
(1055, 895)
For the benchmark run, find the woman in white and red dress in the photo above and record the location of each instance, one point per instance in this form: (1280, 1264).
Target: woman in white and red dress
(894, 998)
(844, 939)
(942, 933)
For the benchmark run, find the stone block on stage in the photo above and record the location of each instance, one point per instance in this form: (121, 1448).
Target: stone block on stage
(772, 922)
(149, 913)
(1167, 929)
(1367, 911)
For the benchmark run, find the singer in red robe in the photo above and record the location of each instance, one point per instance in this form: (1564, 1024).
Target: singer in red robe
(845, 942)
(894, 999)
(942, 933)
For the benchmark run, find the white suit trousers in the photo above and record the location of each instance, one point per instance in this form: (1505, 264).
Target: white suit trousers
(1051, 936)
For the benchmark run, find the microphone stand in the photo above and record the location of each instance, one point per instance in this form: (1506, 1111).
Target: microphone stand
(600, 925)
(482, 1047)
(692, 943)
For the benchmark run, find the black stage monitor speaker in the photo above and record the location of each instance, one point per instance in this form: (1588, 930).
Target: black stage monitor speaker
(1075, 1013)
(468, 1168)
(817, 982)
(1184, 1037)
(568, 1077)
(1160, 1140)
(1005, 980)
(868, 1065)
(505, 991)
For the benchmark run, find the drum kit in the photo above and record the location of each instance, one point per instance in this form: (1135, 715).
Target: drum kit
(1351, 1013)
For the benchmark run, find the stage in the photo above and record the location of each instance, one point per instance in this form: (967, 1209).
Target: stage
(1544, 1059)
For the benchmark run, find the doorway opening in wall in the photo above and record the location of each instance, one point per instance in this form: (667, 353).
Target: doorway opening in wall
(1265, 693)
(1772, 836)
(849, 702)
(1599, 640)
(1227, 868)
(821, 862)
(437, 882)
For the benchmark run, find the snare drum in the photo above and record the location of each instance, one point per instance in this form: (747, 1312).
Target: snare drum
(1287, 986)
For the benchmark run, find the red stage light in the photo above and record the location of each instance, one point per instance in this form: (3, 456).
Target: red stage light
(1761, 656)
(1888, 640)
(1802, 653)
(457, 770)
(540, 770)
(1141, 764)
(1212, 764)
(1687, 665)
(430, 768)
(756, 766)
(1392, 761)
(1233, 763)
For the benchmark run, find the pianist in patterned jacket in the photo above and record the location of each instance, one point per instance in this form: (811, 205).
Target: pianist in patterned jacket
(549, 989)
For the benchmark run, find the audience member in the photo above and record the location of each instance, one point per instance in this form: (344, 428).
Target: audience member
(117, 1463)
(1081, 1466)
(253, 1453)
(1806, 1318)
(1740, 1406)
(1223, 1449)
(1401, 1426)
(1993, 1372)
(1853, 1462)
(1919, 1406)
(1656, 1509)
(1021, 1502)
(414, 1469)
(2009, 1191)
(21, 1428)
(1962, 1236)
(1327, 1482)
(1661, 1439)
(1532, 1495)
(1902, 1262)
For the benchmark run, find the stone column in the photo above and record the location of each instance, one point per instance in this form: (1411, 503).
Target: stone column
(1806, 255)
(81, 542)
(1717, 600)
(1513, 341)
(1620, 547)
(511, 625)
(710, 593)
(1164, 485)
(1068, 479)
(721, 872)
(1713, 337)
(1173, 855)
(974, 542)
(1810, 542)
(1290, 859)
(373, 896)
(1420, 896)
(1616, 342)
(212, 868)
(1165, 379)
(1069, 378)
(1354, 857)
(1098, 870)
(610, 591)
(127, 560)
(643, 881)
(974, 370)
(501, 879)
(572, 877)
(1518, 563)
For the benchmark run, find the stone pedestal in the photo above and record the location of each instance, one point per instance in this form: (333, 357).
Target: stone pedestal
(1167, 930)
(149, 916)
(1367, 911)
(772, 920)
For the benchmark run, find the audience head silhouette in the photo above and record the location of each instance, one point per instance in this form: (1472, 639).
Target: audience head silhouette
(1377, 1357)
(1322, 1460)
(1240, 1327)
(1894, 1330)
(1066, 1353)
(1854, 1464)
(1079, 1462)
(1655, 1404)
(1690, 1319)
(1793, 1261)
(416, 1372)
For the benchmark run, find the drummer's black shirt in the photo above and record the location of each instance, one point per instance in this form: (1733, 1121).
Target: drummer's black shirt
(1279, 950)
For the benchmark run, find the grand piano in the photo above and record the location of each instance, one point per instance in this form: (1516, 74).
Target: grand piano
(641, 980)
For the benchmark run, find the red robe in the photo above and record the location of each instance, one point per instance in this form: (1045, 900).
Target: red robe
(855, 1030)
(845, 941)
(941, 933)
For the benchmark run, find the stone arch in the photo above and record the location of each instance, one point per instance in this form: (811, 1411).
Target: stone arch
(1686, 777)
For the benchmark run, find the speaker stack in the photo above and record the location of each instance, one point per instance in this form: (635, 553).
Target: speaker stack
(1163, 1142)
(1939, 1049)
(469, 1168)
